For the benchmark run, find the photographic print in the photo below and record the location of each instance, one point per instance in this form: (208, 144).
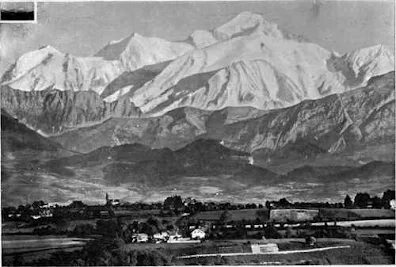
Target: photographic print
(198, 133)
(17, 11)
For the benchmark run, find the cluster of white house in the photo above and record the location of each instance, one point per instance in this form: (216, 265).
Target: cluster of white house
(44, 211)
(165, 237)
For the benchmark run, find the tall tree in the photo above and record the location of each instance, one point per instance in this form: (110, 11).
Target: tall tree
(348, 202)
(387, 197)
(225, 216)
(377, 202)
(361, 200)
(283, 202)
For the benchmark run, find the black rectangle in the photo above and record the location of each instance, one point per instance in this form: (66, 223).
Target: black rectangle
(16, 15)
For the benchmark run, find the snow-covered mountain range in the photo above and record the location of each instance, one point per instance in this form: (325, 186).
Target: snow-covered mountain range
(245, 62)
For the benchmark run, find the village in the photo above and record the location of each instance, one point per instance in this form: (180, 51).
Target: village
(191, 230)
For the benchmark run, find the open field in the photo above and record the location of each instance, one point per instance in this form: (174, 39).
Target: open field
(23, 244)
(348, 214)
(24, 229)
(234, 245)
(377, 213)
(385, 223)
(375, 231)
(16, 227)
(136, 213)
(281, 215)
(33, 247)
(39, 254)
(357, 253)
(294, 215)
(246, 214)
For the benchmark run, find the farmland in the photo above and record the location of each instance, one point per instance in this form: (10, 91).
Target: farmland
(246, 214)
(357, 253)
(383, 223)
(348, 214)
(33, 246)
(281, 215)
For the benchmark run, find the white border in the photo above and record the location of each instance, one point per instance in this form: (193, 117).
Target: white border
(23, 21)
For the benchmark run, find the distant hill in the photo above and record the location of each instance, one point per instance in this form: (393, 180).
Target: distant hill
(138, 163)
(367, 171)
(16, 136)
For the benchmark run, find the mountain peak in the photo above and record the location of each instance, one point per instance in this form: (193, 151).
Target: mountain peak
(136, 51)
(370, 61)
(371, 51)
(29, 61)
(245, 23)
(48, 48)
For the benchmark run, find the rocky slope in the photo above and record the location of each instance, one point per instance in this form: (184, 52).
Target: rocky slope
(52, 111)
(16, 137)
(332, 125)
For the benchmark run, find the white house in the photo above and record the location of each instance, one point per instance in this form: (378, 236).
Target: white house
(392, 204)
(163, 236)
(198, 234)
(251, 160)
(46, 213)
(139, 238)
(175, 237)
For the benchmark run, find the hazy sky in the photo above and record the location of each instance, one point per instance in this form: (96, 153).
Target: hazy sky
(82, 28)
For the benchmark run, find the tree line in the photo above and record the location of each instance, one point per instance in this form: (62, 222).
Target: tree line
(364, 200)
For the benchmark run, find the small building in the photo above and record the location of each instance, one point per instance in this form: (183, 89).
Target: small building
(112, 202)
(198, 234)
(139, 238)
(175, 237)
(392, 204)
(162, 236)
(45, 213)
